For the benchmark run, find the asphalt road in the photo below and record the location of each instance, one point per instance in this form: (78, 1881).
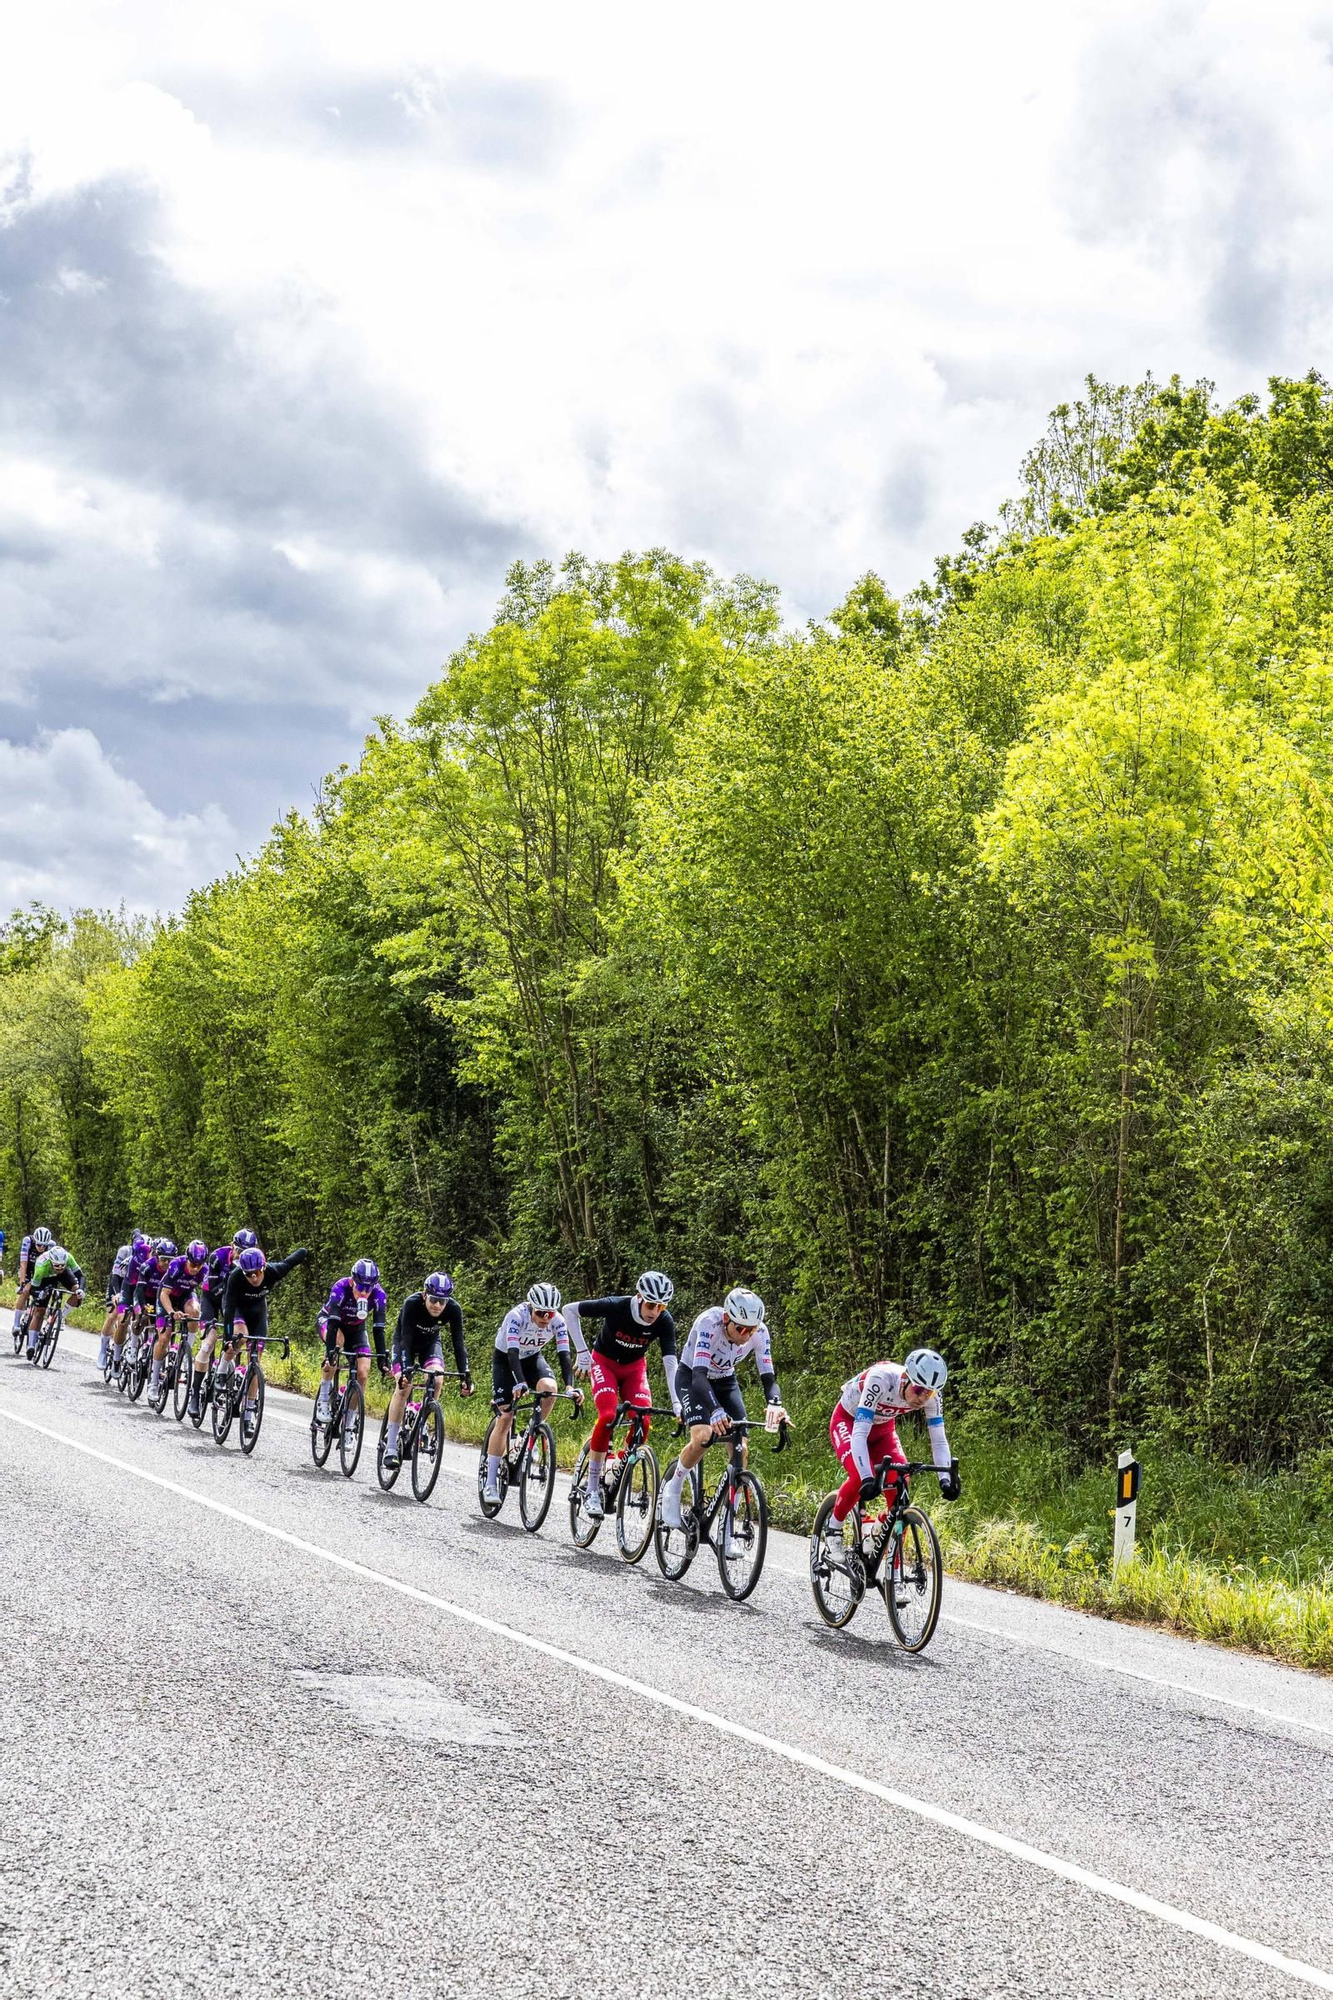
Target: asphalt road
(264, 1732)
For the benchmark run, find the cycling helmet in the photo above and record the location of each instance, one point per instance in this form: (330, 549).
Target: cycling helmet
(137, 1238)
(164, 1247)
(544, 1298)
(42, 1239)
(245, 1239)
(439, 1285)
(196, 1251)
(743, 1308)
(365, 1271)
(57, 1258)
(925, 1368)
(252, 1259)
(655, 1288)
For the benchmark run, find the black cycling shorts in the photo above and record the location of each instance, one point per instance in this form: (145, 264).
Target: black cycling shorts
(725, 1393)
(533, 1368)
(421, 1350)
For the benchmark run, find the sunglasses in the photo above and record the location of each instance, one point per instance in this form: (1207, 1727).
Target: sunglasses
(543, 1312)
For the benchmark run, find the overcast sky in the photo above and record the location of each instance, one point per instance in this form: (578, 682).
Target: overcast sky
(313, 317)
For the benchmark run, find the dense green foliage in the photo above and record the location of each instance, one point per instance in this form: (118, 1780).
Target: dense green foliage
(958, 969)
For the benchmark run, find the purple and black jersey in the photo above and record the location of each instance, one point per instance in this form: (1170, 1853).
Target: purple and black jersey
(182, 1278)
(147, 1280)
(354, 1317)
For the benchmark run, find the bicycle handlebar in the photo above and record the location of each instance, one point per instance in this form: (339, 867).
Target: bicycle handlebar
(738, 1429)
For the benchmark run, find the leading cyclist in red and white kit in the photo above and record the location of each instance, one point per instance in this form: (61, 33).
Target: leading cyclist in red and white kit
(863, 1429)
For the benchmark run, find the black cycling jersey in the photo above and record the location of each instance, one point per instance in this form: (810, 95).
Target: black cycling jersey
(249, 1303)
(419, 1333)
(622, 1337)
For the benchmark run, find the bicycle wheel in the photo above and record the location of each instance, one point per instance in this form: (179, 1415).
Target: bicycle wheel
(636, 1503)
(427, 1449)
(583, 1526)
(252, 1409)
(536, 1483)
(353, 1430)
(322, 1429)
(676, 1548)
(157, 1398)
(50, 1340)
(837, 1578)
(490, 1508)
(109, 1364)
(224, 1404)
(137, 1367)
(20, 1334)
(180, 1388)
(205, 1398)
(387, 1478)
(742, 1544)
(914, 1581)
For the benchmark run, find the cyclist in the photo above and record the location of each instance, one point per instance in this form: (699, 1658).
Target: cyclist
(30, 1249)
(518, 1360)
(342, 1324)
(219, 1270)
(863, 1428)
(142, 1261)
(115, 1279)
(251, 1280)
(177, 1292)
(618, 1363)
(710, 1400)
(221, 1263)
(55, 1270)
(417, 1343)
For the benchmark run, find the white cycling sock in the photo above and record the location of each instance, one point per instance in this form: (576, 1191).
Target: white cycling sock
(103, 1345)
(326, 1392)
(391, 1438)
(677, 1478)
(492, 1468)
(157, 1375)
(596, 1462)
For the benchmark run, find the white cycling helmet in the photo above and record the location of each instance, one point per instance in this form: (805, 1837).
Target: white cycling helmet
(544, 1298)
(655, 1288)
(57, 1257)
(42, 1239)
(925, 1368)
(743, 1308)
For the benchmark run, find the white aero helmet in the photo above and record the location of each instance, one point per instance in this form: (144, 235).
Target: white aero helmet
(42, 1238)
(743, 1308)
(544, 1298)
(58, 1257)
(925, 1368)
(655, 1288)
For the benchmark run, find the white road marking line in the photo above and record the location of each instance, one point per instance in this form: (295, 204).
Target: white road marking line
(1096, 1662)
(857, 1781)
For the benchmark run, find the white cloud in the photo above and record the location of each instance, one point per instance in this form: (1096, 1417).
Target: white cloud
(74, 830)
(412, 290)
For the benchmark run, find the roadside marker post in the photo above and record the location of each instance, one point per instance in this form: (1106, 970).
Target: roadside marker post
(1126, 1509)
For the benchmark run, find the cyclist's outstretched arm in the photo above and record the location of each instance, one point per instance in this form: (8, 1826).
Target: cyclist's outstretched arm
(453, 1314)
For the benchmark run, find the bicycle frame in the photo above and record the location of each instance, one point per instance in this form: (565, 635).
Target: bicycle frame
(883, 1524)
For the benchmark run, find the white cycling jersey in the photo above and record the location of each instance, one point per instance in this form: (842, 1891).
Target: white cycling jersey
(122, 1261)
(520, 1334)
(875, 1396)
(707, 1345)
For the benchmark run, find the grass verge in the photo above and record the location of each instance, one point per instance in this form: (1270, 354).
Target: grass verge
(1227, 1556)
